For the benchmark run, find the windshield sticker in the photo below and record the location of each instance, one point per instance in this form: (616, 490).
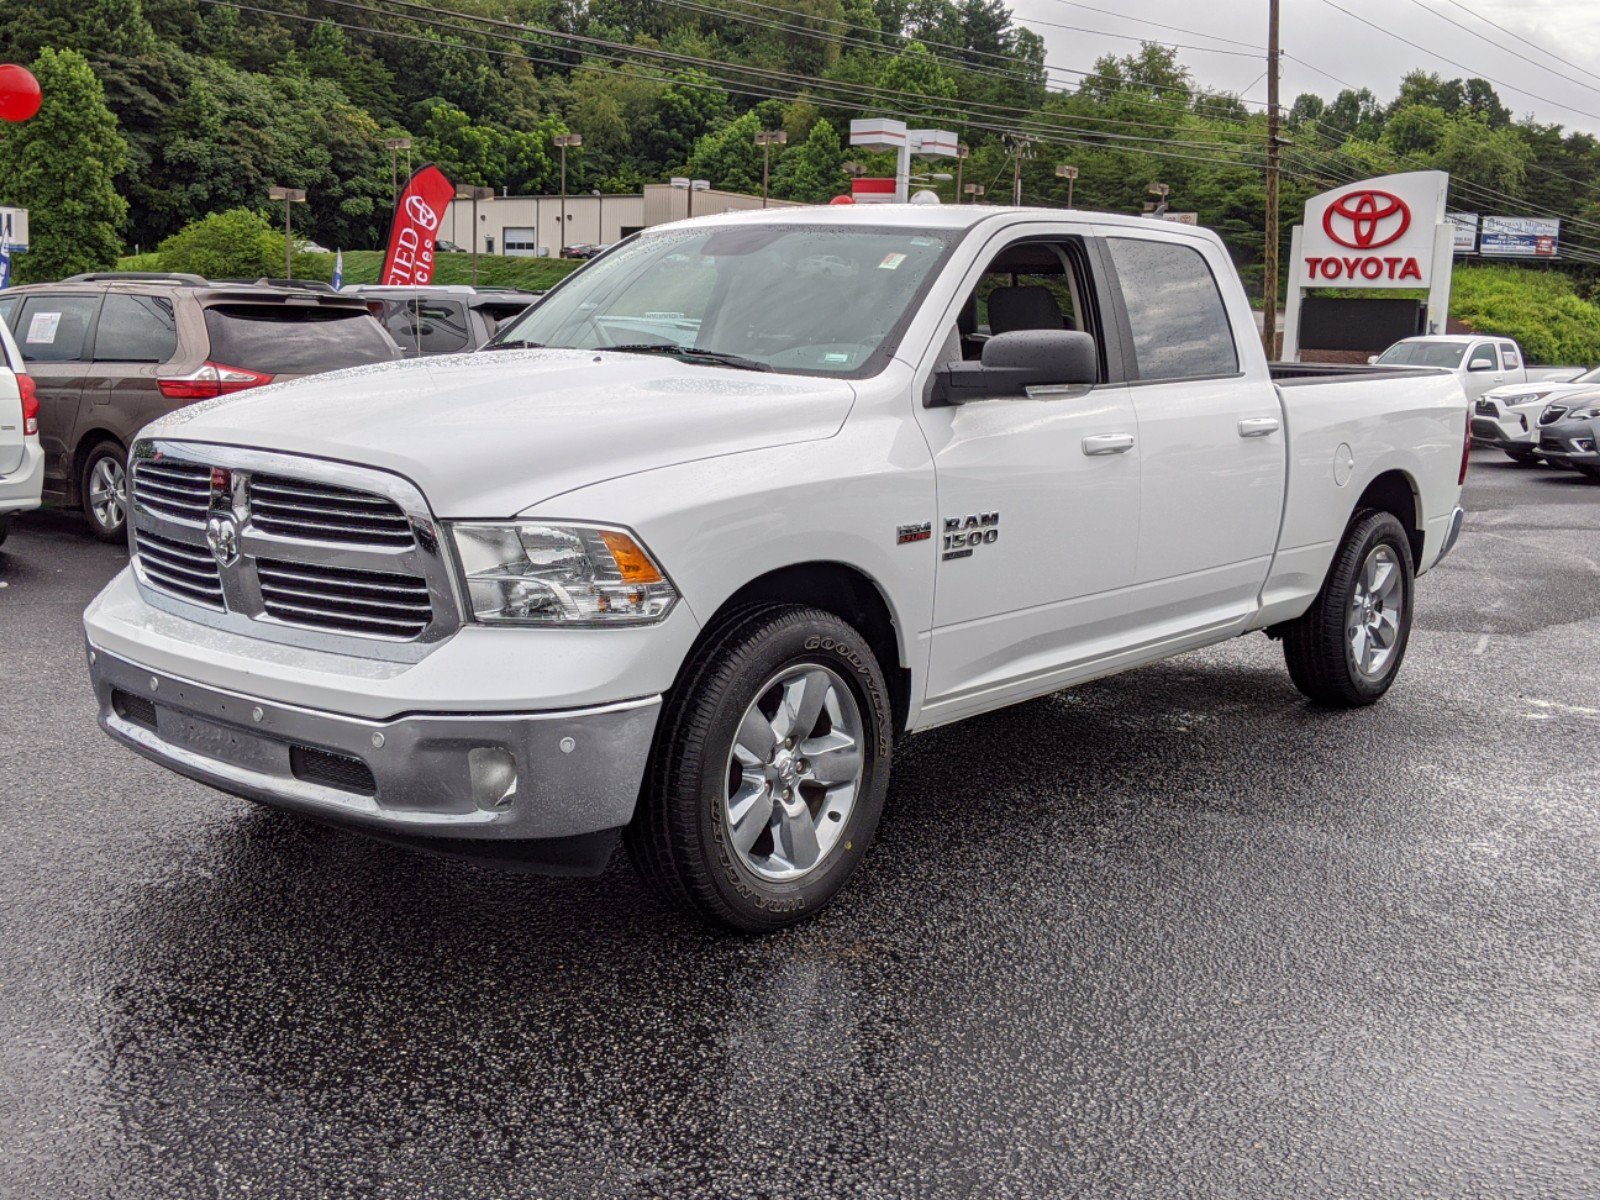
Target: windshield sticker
(891, 262)
(834, 356)
(42, 329)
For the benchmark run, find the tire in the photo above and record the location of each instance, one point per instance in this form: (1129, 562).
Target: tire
(104, 488)
(712, 765)
(1322, 648)
(5, 528)
(1591, 473)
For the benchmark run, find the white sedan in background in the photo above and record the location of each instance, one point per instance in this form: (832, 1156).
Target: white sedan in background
(1509, 417)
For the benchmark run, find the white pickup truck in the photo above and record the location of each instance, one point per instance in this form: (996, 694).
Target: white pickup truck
(735, 507)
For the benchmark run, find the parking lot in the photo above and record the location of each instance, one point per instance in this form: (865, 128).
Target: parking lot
(1174, 933)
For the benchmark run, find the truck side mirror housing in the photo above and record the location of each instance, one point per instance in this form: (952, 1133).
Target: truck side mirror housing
(1480, 365)
(1018, 364)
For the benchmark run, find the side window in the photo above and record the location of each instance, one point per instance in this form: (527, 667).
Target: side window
(55, 328)
(9, 307)
(1179, 325)
(1510, 357)
(1026, 286)
(136, 329)
(437, 327)
(1482, 356)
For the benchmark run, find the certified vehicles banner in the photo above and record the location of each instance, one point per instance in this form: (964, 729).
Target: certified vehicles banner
(1520, 237)
(409, 261)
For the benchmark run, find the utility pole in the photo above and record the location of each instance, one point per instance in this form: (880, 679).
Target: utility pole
(962, 151)
(767, 139)
(1070, 173)
(290, 197)
(1269, 281)
(474, 194)
(563, 140)
(1018, 145)
(394, 145)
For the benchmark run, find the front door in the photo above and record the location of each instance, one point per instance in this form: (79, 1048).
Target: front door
(1038, 499)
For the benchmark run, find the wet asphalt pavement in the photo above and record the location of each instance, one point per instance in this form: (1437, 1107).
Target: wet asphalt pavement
(1172, 934)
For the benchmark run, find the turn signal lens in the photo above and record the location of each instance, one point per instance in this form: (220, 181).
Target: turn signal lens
(633, 563)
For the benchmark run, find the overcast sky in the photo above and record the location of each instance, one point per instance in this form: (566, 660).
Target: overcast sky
(1314, 31)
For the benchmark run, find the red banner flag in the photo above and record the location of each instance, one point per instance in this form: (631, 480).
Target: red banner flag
(422, 206)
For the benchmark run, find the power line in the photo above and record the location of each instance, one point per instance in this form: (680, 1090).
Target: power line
(1460, 66)
(1509, 33)
(1111, 12)
(1133, 37)
(1503, 48)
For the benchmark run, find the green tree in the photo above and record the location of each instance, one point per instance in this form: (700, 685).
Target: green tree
(233, 244)
(811, 172)
(730, 158)
(62, 166)
(915, 74)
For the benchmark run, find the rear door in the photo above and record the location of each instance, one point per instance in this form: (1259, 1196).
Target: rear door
(1211, 437)
(56, 336)
(135, 335)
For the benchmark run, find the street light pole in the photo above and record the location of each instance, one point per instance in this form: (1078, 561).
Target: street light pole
(563, 140)
(767, 139)
(974, 190)
(962, 150)
(1070, 173)
(475, 194)
(290, 197)
(394, 145)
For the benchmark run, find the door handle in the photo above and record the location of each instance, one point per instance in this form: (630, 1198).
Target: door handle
(1107, 443)
(1258, 426)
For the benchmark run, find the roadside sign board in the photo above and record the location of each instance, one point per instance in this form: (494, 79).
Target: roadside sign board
(1520, 237)
(1466, 232)
(14, 227)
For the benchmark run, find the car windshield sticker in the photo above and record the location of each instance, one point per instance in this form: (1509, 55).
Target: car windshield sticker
(891, 261)
(833, 356)
(42, 329)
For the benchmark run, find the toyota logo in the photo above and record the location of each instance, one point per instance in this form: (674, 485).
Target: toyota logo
(222, 535)
(1368, 220)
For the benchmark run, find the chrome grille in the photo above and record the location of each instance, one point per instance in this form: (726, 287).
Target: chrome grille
(179, 569)
(319, 512)
(346, 600)
(173, 488)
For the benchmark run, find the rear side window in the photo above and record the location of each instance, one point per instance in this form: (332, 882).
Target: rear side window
(55, 328)
(1179, 325)
(136, 329)
(9, 307)
(428, 326)
(294, 340)
(1509, 356)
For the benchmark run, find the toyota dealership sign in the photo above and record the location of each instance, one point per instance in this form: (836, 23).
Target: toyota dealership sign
(1379, 233)
(1388, 232)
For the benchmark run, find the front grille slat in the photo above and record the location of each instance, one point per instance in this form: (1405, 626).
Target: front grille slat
(372, 602)
(173, 489)
(320, 512)
(186, 572)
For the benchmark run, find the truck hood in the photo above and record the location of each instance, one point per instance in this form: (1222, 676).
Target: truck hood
(1540, 389)
(490, 434)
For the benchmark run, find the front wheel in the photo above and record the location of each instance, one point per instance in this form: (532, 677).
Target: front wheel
(1347, 648)
(105, 492)
(769, 770)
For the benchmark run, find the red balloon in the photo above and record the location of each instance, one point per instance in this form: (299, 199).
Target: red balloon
(19, 93)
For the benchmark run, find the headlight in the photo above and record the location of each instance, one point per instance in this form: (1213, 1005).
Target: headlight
(1524, 398)
(1587, 413)
(530, 573)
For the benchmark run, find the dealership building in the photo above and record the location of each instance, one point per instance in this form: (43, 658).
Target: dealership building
(531, 226)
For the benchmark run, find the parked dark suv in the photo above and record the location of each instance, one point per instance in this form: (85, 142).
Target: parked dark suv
(445, 319)
(110, 352)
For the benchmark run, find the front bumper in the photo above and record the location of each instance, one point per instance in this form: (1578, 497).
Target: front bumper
(441, 779)
(1502, 432)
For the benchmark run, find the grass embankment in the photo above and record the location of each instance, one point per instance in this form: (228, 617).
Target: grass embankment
(362, 266)
(1540, 308)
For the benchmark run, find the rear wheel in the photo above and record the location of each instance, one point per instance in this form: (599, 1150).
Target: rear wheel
(769, 771)
(1347, 648)
(104, 487)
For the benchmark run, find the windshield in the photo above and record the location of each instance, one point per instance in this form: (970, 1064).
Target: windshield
(1592, 375)
(1423, 354)
(796, 298)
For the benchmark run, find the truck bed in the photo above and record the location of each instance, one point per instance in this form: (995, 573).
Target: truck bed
(1286, 374)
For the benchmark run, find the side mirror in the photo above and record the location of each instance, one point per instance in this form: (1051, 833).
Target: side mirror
(1372, 360)
(1480, 366)
(1022, 363)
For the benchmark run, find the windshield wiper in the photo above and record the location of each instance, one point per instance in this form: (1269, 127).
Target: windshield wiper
(690, 354)
(514, 344)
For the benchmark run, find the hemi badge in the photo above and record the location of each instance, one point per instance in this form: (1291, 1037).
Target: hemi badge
(913, 533)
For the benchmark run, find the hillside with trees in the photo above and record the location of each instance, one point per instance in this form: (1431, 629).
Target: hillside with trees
(194, 107)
